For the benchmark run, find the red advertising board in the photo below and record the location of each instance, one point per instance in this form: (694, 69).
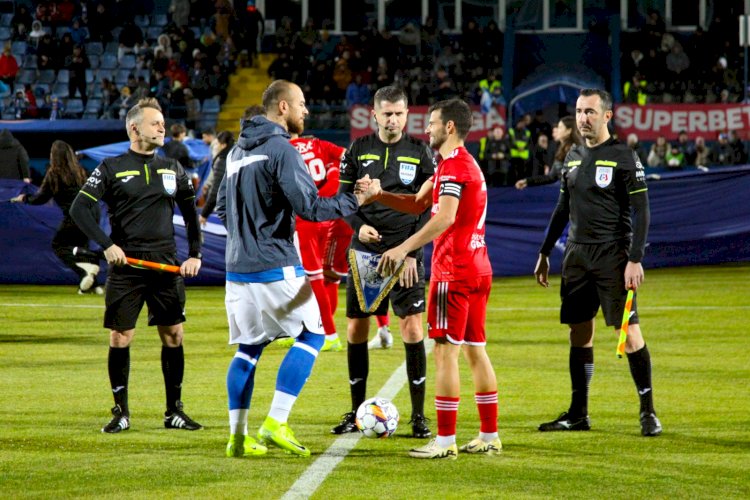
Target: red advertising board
(362, 123)
(706, 120)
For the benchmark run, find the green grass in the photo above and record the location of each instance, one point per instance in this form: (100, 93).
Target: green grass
(55, 396)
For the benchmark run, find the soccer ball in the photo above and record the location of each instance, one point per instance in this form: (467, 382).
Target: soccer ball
(377, 418)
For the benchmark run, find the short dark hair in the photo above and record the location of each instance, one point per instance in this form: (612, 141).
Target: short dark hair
(177, 129)
(277, 90)
(605, 96)
(254, 110)
(390, 93)
(456, 111)
(226, 137)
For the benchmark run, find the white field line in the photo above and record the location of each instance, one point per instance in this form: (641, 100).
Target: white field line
(318, 471)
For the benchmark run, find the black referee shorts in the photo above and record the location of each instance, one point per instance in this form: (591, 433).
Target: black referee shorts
(129, 288)
(406, 301)
(594, 276)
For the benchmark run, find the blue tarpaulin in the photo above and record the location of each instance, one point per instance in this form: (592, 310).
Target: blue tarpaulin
(696, 218)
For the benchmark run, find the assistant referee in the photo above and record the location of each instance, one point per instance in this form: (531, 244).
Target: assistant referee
(602, 182)
(140, 189)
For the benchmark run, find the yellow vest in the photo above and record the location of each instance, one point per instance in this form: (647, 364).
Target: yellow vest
(519, 148)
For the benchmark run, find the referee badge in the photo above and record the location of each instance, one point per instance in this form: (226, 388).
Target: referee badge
(170, 183)
(371, 288)
(407, 172)
(604, 176)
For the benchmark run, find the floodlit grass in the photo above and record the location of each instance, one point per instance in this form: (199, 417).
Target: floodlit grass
(55, 396)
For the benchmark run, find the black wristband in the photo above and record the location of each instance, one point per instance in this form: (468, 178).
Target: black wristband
(196, 255)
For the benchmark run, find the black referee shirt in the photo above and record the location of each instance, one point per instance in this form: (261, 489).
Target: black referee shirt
(599, 187)
(140, 192)
(402, 167)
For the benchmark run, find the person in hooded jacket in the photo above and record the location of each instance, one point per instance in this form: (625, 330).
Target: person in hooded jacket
(14, 160)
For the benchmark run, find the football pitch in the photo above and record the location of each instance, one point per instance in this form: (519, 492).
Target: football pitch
(55, 397)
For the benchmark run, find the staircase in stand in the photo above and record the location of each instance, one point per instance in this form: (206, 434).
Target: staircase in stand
(246, 87)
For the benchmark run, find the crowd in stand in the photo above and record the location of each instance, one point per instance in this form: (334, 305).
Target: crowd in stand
(61, 55)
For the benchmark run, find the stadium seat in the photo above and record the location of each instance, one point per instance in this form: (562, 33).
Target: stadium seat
(121, 77)
(116, 33)
(159, 20)
(94, 48)
(94, 105)
(153, 32)
(6, 19)
(90, 74)
(41, 89)
(29, 61)
(94, 62)
(146, 74)
(8, 113)
(211, 106)
(60, 90)
(4, 33)
(142, 21)
(108, 61)
(63, 76)
(19, 59)
(46, 76)
(111, 48)
(26, 76)
(127, 62)
(18, 47)
(102, 74)
(73, 108)
(196, 31)
(61, 30)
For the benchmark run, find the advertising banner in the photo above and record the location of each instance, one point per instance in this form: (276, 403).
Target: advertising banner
(706, 120)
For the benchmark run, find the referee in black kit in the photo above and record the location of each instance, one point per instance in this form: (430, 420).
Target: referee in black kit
(602, 181)
(140, 189)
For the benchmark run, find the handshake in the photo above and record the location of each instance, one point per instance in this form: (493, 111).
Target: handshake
(367, 190)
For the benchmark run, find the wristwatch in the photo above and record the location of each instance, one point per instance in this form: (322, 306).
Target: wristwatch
(196, 255)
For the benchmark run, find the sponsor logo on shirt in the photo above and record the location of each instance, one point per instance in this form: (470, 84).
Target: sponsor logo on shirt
(477, 241)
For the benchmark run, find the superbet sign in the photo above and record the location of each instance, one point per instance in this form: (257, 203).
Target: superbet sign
(361, 122)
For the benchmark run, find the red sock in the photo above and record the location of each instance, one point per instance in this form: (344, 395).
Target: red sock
(487, 406)
(332, 290)
(447, 410)
(383, 320)
(318, 286)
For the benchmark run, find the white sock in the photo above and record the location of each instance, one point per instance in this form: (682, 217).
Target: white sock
(332, 336)
(238, 421)
(281, 406)
(488, 437)
(445, 441)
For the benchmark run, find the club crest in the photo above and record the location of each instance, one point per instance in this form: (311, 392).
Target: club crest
(371, 288)
(170, 183)
(407, 172)
(604, 176)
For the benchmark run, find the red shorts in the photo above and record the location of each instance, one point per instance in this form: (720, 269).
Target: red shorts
(312, 238)
(339, 239)
(457, 310)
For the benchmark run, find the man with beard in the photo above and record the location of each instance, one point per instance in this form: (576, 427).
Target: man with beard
(461, 278)
(602, 182)
(267, 294)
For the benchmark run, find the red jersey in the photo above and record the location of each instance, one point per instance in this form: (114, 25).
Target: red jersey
(460, 252)
(322, 159)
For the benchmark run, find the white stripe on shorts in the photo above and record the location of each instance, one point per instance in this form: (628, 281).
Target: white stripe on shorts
(442, 305)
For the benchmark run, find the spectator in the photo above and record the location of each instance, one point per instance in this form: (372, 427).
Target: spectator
(8, 66)
(199, 80)
(634, 90)
(21, 22)
(657, 154)
(110, 95)
(100, 23)
(164, 44)
(539, 126)
(281, 68)
(357, 92)
(491, 90)
(14, 160)
(342, 73)
(64, 11)
(47, 54)
(46, 12)
(723, 153)
(702, 157)
(567, 135)
(685, 147)
(32, 111)
(36, 33)
(740, 153)
(443, 87)
(674, 158)
(677, 62)
(130, 40)
(192, 108)
(541, 164)
(119, 108)
(225, 142)
(218, 83)
(79, 32)
(77, 63)
(253, 24)
(635, 145)
(175, 148)
(20, 104)
(495, 151)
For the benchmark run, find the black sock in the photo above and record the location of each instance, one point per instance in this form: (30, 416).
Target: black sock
(359, 367)
(416, 371)
(581, 365)
(640, 369)
(118, 365)
(173, 368)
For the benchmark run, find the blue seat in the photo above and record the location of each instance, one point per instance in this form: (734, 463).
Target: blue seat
(61, 30)
(73, 108)
(153, 32)
(18, 47)
(26, 76)
(94, 48)
(6, 19)
(108, 61)
(142, 21)
(127, 62)
(29, 61)
(47, 76)
(211, 105)
(4, 33)
(60, 90)
(63, 76)
(111, 48)
(90, 74)
(93, 62)
(159, 20)
(121, 77)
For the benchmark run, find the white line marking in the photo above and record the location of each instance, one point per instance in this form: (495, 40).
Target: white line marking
(313, 477)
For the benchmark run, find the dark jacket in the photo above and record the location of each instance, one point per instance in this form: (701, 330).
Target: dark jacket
(14, 160)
